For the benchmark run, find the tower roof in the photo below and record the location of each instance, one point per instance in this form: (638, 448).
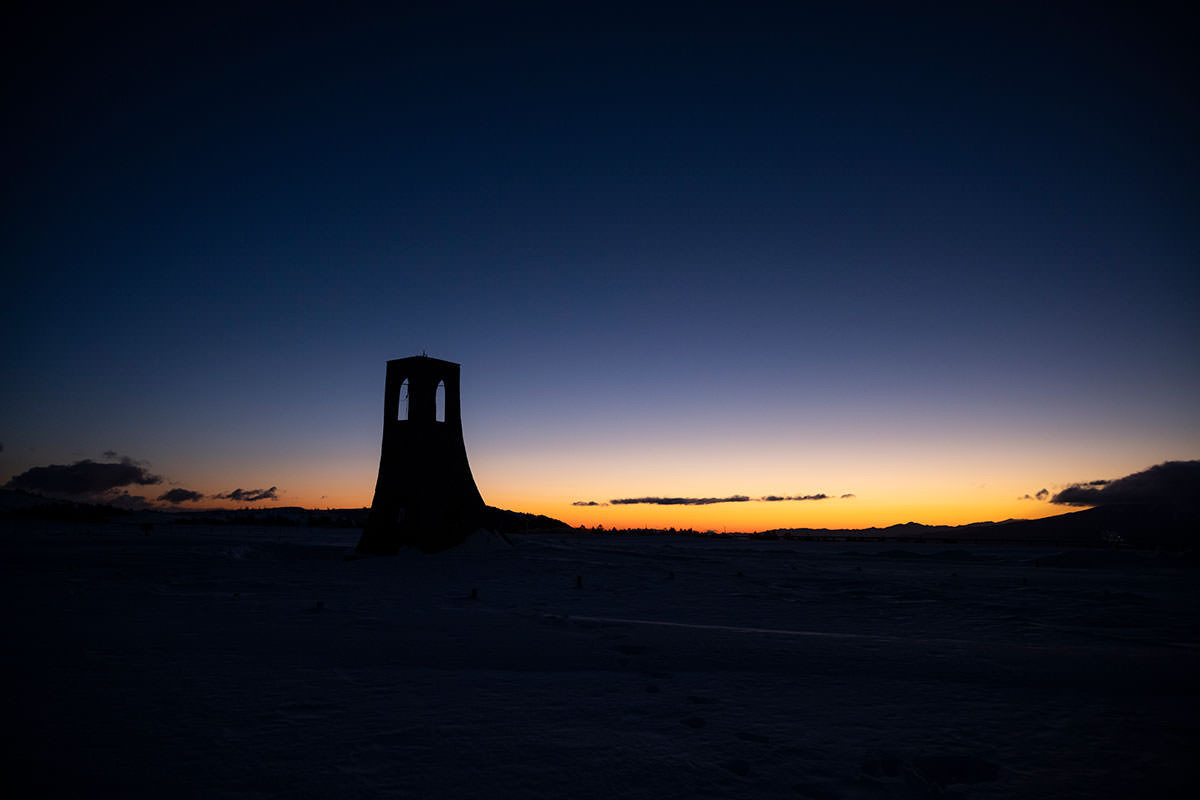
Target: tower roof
(423, 361)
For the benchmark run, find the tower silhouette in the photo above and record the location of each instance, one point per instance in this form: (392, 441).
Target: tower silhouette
(425, 495)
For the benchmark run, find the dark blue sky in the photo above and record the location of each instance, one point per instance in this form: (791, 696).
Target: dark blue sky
(851, 227)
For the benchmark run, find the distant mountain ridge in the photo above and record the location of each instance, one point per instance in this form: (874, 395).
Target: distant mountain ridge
(19, 504)
(1133, 524)
(1137, 524)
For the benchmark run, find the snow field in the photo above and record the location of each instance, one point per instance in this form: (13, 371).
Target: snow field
(256, 663)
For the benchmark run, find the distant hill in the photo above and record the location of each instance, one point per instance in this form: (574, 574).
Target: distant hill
(1142, 525)
(498, 519)
(17, 504)
(1139, 525)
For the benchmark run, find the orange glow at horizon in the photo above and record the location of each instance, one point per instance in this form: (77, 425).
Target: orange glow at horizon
(951, 486)
(876, 507)
(747, 516)
(758, 515)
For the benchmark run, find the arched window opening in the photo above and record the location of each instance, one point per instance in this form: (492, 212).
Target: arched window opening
(440, 401)
(402, 412)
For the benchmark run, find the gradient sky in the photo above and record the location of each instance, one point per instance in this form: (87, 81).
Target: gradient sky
(934, 261)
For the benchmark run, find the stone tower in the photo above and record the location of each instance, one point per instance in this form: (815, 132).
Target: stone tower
(425, 495)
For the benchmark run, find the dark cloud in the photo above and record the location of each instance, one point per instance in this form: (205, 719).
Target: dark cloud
(110, 454)
(775, 498)
(250, 495)
(85, 478)
(847, 496)
(1040, 494)
(1174, 482)
(705, 501)
(181, 496)
(679, 501)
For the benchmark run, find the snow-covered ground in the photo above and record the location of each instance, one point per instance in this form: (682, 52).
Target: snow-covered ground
(253, 663)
